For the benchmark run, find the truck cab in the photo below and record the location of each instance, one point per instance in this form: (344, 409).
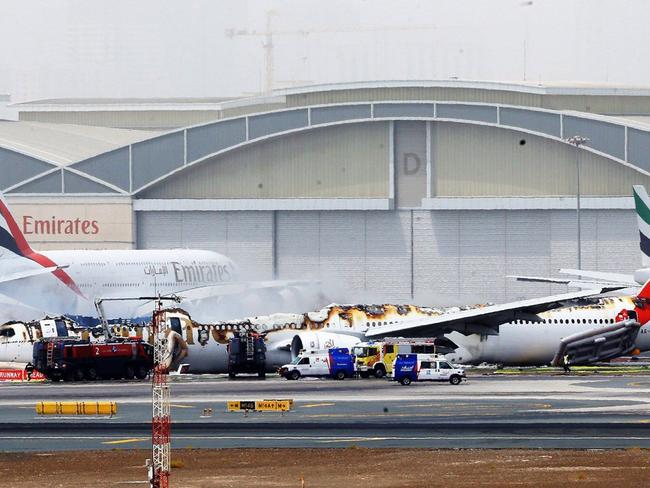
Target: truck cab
(335, 363)
(376, 358)
(425, 367)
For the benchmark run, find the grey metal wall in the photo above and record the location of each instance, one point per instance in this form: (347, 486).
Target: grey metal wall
(438, 257)
(359, 256)
(343, 161)
(246, 237)
(465, 255)
(485, 161)
(410, 163)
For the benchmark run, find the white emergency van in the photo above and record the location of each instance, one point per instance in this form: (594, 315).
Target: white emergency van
(425, 367)
(336, 363)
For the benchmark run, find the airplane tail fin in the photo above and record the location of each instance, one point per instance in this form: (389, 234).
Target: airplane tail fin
(645, 291)
(642, 203)
(11, 237)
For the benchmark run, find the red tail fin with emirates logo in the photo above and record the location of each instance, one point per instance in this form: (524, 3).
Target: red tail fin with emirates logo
(642, 304)
(12, 239)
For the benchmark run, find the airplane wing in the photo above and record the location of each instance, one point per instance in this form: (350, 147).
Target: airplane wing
(572, 282)
(482, 320)
(593, 279)
(602, 276)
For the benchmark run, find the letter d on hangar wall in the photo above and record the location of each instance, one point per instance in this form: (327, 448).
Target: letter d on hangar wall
(412, 164)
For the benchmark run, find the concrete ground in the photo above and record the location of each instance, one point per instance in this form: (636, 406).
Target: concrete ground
(525, 411)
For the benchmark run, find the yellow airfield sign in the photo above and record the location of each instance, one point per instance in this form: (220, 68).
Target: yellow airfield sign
(260, 405)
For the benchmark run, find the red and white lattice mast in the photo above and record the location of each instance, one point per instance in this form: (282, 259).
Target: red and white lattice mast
(161, 419)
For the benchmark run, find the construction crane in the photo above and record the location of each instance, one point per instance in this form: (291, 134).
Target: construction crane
(269, 46)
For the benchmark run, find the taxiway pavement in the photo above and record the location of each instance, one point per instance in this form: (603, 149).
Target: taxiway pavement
(485, 411)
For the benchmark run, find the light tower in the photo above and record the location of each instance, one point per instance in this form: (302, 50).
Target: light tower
(578, 141)
(161, 419)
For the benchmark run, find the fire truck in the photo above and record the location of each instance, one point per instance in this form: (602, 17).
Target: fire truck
(59, 356)
(247, 354)
(74, 359)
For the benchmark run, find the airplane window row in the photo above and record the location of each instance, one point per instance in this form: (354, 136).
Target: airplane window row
(566, 321)
(159, 263)
(120, 285)
(379, 324)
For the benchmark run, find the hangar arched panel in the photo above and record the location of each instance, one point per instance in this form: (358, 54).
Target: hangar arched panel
(347, 161)
(112, 167)
(16, 167)
(471, 161)
(49, 183)
(74, 183)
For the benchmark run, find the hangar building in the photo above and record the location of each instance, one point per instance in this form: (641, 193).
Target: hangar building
(391, 191)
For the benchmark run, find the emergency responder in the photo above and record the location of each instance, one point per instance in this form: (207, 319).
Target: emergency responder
(565, 364)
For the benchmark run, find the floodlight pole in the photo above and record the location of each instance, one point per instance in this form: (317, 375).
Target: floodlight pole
(578, 141)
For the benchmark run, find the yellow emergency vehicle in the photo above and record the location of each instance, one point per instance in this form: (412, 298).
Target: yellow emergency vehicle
(376, 358)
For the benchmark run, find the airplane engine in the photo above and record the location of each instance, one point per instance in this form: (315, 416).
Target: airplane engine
(176, 350)
(321, 340)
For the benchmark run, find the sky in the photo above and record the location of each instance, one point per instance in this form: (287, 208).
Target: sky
(218, 48)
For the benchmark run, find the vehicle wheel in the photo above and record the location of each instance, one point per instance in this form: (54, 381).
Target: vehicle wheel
(405, 381)
(141, 372)
(68, 375)
(380, 372)
(55, 378)
(261, 375)
(455, 379)
(364, 374)
(294, 375)
(91, 374)
(232, 376)
(340, 375)
(129, 372)
(78, 374)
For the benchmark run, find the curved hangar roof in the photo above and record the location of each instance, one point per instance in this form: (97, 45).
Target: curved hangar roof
(37, 158)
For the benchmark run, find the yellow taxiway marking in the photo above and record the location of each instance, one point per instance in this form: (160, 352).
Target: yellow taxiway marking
(126, 441)
(312, 405)
(181, 406)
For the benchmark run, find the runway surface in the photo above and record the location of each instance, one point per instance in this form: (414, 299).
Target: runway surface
(486, 411)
